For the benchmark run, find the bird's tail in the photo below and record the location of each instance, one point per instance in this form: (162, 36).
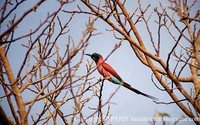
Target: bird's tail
(137, 91)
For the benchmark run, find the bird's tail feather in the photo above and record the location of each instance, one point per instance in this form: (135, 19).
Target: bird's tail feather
(137, 91)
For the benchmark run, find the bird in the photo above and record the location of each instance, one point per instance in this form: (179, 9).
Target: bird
(111, 75)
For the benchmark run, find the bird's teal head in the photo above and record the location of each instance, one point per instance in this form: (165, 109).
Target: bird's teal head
(94, 56)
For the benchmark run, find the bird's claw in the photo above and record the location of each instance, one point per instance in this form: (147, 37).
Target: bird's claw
(108, 77)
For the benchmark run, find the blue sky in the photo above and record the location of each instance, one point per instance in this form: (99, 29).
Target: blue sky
(126, 104)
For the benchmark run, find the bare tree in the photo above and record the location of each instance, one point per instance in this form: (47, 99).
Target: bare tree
(50, 75)
(184, 46)
(47, 74)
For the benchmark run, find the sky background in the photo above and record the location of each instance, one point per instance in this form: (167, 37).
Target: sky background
(126, 103)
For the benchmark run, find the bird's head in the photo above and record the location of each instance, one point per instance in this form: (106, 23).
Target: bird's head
(94, 56)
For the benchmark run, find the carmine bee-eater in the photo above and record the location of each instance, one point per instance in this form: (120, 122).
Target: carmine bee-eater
(110, 74)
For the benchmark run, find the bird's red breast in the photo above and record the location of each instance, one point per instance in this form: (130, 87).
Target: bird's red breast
(106, 70)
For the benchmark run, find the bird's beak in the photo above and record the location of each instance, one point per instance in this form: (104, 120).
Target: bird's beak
(88, 55)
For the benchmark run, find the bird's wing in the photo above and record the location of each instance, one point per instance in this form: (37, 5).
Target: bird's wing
(109, 69)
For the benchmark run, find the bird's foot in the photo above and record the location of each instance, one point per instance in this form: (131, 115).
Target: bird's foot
(107, 78)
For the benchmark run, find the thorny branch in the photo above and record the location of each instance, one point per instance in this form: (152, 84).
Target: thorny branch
(190, 54)
(49, 74)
